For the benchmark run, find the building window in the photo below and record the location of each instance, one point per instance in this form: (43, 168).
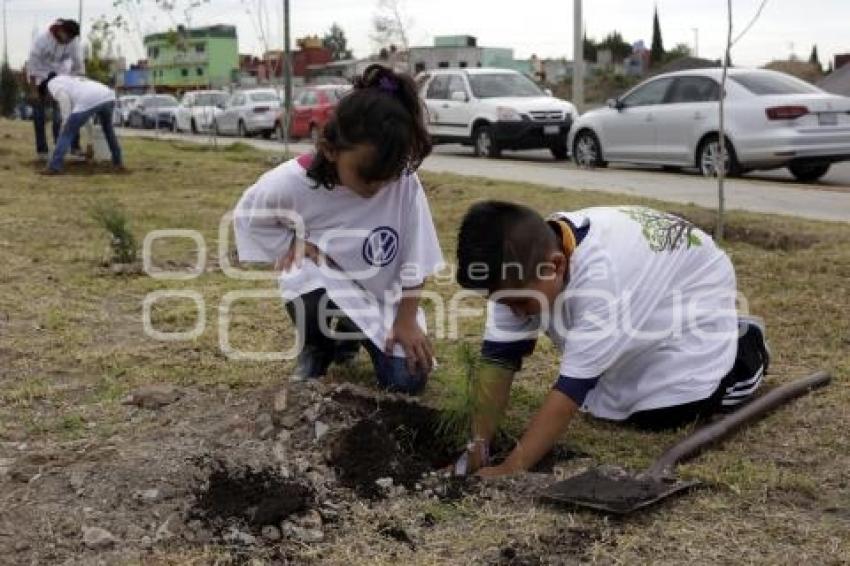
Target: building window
(420, 66)
(184, 72)
(443, 64)
(462, 65)
(153, 52)
(200, 48)
(200, 72)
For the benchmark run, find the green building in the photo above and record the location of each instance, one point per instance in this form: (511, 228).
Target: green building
(193, 59)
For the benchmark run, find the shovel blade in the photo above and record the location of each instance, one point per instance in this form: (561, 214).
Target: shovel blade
(612, 490)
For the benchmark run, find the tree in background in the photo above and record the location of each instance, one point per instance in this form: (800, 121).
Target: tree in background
(681, 50)
(336, 41)
(8, 90)
(656, 53)
(829, 68)
(101, 38)
(814, 59)
(390, 26)
(591, 49)
(620, 49)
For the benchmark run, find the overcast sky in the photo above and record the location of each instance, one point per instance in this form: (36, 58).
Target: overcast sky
(543, 27)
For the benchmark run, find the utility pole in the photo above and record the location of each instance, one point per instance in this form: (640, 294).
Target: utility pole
(578, 56)
(5, 37)
(696, 42)
(287, 69)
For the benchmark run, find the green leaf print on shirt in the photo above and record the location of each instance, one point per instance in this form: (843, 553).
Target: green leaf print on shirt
(663, 231)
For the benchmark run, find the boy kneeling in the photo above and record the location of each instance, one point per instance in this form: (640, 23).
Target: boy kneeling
(641, 305)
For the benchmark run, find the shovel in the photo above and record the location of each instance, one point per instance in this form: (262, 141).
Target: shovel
(613, 490)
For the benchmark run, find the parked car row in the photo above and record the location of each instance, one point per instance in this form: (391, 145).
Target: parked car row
(243, 113)
(772, 120)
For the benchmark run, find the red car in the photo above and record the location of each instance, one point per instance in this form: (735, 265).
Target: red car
(311, 109)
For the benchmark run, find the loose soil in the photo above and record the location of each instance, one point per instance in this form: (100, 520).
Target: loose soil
(243, 496)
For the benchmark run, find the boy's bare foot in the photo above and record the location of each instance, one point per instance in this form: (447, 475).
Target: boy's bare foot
(50, 172)
(120, 169)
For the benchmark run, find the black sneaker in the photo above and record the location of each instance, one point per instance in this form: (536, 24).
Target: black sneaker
(312, 363)
(752, 329)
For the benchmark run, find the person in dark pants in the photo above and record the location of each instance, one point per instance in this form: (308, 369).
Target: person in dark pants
(57, 51)
(80, 99)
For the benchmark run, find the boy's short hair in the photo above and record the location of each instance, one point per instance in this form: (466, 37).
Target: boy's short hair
(501, 246)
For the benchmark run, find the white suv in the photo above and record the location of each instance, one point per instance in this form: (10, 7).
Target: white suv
(494, 109)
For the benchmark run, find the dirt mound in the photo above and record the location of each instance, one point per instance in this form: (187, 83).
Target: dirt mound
(736, 231)
(248, 497)
(393, 439)
(566, 546)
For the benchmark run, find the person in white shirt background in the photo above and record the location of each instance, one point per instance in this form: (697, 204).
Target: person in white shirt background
(80, 99)
(641, 305)
(357, 211)
(57, 51)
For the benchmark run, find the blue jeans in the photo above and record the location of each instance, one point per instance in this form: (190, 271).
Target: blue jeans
(391, 372)
(39, 119)
(71, 129)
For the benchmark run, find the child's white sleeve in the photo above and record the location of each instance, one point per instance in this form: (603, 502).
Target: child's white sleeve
(422, 253)
(264, 219)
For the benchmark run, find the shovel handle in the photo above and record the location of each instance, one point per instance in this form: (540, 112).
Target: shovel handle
(707, 435)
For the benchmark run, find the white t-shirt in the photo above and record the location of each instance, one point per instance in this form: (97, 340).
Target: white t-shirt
(79, 93)
(378, 245)
(49, 56)
(649, 308)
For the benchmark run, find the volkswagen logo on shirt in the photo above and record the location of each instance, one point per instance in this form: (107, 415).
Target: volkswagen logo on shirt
(380, 246)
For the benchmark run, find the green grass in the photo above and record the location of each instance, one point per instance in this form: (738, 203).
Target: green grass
(72, 346)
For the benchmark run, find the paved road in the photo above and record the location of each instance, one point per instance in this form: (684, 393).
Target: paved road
(773, 192)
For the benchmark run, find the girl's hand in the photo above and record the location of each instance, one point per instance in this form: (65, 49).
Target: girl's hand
(417, 347)
(298, 250)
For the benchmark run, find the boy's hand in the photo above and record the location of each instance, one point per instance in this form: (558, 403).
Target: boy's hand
(296, 254)
(417, 347)
(503, 469)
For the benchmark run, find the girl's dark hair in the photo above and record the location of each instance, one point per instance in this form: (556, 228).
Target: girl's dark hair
(383, 111)
(71, 27)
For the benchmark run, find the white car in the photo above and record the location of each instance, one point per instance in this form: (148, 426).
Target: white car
(494, 109)
(123, 106)
(198, 110)
(249, 112)
(772, 120)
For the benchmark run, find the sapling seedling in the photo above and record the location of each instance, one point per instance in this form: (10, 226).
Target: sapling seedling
(113, 219)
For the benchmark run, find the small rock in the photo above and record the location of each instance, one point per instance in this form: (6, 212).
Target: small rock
(301, 534)
(5, 466)
(312, 536)
(321, 429)
(146, 542)
(312, 413)
(21, 546)
(96, 538)
(280, 401)
(311, 520)
(264, 425)
(289, 421)
(164, 532)
(301, 465)
(153, 396)
(235, 536)
(146, 495)
(384, 483)
(271, 533)
(284, 435)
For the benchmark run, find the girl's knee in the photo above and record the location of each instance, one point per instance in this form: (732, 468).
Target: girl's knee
(394, 376)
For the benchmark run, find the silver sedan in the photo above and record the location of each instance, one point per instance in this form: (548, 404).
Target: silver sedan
(773, 120)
